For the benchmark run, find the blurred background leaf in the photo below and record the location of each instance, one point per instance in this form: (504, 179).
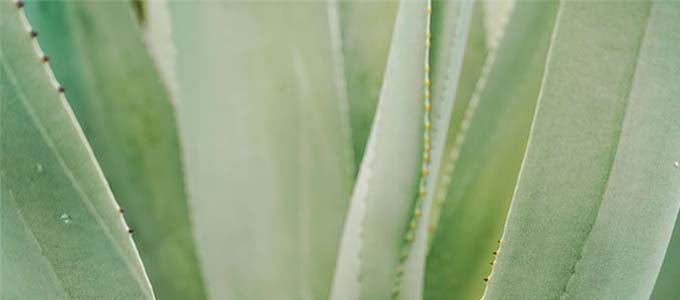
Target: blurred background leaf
(267, 143)
(366, 28)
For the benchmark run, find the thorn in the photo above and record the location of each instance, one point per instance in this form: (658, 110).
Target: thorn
(121, 210)
(429, 34)
(20, 3)
(130, 230)
(395, 293)
(45, 58)
(33, 33)
(428, 125)
(427, 147)
(427, 95)
(60, 89)
(404, 254)
(428, 83)
(494, 253)
(499, 242)
(429, 10)
(486, 279)
(493, 263)
(428, 44)
(428, 106)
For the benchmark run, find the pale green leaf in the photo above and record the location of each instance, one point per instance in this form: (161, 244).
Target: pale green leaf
(487, 156)
(366, 35)
(597, 197)
(450, 26)
(61, 234)
(267, 150)
(126, 114)
(380, 230)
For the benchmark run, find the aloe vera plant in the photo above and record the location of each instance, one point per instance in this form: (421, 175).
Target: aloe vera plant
(340, 149)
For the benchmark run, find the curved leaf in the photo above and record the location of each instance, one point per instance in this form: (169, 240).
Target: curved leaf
(268, 154)
(126, 113)
(388, 199)
(365, 52)
(597, 196)
(487, 157)
(62, 236)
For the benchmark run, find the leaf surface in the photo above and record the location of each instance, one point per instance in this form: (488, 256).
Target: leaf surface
(61, 234)
(124, 108)
(486, 157)
(597, 197)
(387, 202)
(367, 28)
(267, 145)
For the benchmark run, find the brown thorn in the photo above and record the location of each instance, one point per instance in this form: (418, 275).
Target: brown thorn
(33, 33)
(121, 210)
(130, 230)
(45, 58)
(20, 3)
(60, 89)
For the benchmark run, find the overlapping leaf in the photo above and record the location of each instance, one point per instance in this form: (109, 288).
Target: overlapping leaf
(62, 236)
(597, 197)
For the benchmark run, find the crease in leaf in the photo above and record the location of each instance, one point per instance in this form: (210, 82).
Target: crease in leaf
(594, 153)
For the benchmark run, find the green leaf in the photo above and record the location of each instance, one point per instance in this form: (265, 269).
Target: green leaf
(380, 230)
(61, 234)
(97, 52)
(597, 196)
(268, 150)
(488, 152)
(666, 286)
(366, 34)
(450, 26)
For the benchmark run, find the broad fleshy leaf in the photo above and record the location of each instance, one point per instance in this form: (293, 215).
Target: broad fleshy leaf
(98, 53)
(62, 236)
(597, 196)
